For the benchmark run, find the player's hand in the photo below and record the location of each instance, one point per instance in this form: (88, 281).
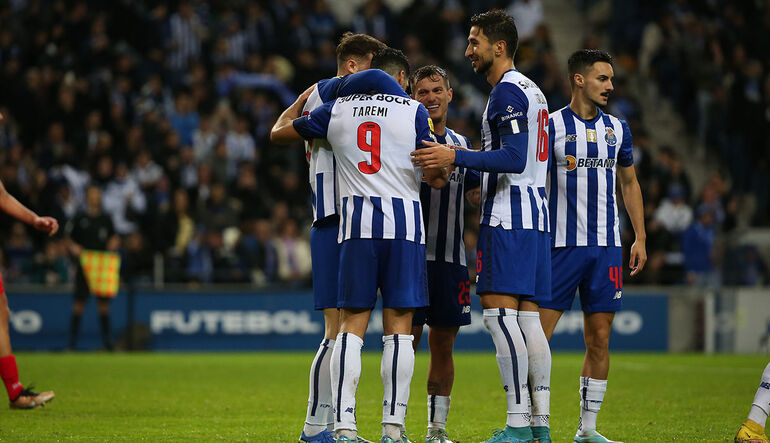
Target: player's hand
(49, 225)
(638, 257)
(302, 99)
(435, 155)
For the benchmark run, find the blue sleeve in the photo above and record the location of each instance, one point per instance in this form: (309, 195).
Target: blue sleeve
(472, 177)
(327, 88)
(507, 114)
(505, 159)
(422, 125)
(315, 124)
(626, 153)
(368, 81)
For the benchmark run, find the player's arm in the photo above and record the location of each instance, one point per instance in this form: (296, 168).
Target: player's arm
(509, 115)
(472, 184)
(15, 209)
(367, 81)
(436, 177)
(283, 131)
(632, 198)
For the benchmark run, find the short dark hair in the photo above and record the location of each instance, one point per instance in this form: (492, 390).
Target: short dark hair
(582, 59)
(429, 71)
(392, 61)
(357, 45)
(498, 25)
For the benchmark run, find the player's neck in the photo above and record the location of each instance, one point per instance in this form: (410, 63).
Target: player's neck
(439, 127)
(583, 108)
(500, 67)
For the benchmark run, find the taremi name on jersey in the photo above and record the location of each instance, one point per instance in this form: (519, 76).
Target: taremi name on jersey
(379, 193)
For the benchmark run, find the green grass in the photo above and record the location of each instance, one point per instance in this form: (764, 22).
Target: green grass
(261, 397)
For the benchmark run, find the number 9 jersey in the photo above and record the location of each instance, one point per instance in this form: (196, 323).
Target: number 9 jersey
(372, 137)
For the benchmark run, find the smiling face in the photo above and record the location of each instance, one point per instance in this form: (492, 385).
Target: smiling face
(596, 83)
(480, 51)
(434, 93)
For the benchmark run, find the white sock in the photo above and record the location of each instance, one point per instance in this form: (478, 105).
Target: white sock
(502, 324)
(591, 397)
(319, 402)
(539, 360)
(761, 404)
(438, 411)
(396, 370)
(345, 372)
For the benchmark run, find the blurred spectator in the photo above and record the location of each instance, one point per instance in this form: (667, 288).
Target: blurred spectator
(673, 213)
(698, 249)
(293, 254)
(124, 201)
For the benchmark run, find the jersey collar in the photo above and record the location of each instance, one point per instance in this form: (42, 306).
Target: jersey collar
(599, 114)
(501, 77)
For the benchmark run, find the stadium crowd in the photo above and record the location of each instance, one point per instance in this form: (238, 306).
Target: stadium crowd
(167, 107)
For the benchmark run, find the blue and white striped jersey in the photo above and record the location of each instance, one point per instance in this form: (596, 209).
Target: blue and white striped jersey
(516, 200)
(323, 183)
(444, 209)
(320, 158)
(372, 137)
(581, 182)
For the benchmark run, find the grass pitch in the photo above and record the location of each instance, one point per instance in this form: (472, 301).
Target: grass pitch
(261, 397)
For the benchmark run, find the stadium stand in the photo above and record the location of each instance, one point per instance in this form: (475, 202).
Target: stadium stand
(168, 105)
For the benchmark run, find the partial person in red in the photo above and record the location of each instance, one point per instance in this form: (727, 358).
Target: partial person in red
(20, 397)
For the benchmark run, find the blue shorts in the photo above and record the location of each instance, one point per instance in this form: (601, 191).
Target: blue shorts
(396, 267)
(449, 292)
(515, 262)
(596, 271)
(325, 254)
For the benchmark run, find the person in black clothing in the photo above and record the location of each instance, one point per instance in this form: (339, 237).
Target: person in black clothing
(92, 230)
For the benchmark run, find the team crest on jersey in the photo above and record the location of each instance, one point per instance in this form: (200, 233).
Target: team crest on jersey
(430, 124)
(591, 135)
(610, 137)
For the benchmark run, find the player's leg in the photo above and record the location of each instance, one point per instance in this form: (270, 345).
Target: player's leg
(357, 282)
(538, 350)
(78, 306)
(567, 270)
(19, 397)
(402, 277)
(449, 290)
(324, 250)
(396, 370)
(441, 377)
(346, 370)
(497, 250)
(596, 367)
(549, 318)
(600, 298)
(539, 363)
(8, 369)
(103, 306)
(418, 324)
(753, 429)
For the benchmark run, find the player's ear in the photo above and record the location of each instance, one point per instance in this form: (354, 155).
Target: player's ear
(500, 48)
(402, 80)
(578, 79)
(351, 66)
(449, 94)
